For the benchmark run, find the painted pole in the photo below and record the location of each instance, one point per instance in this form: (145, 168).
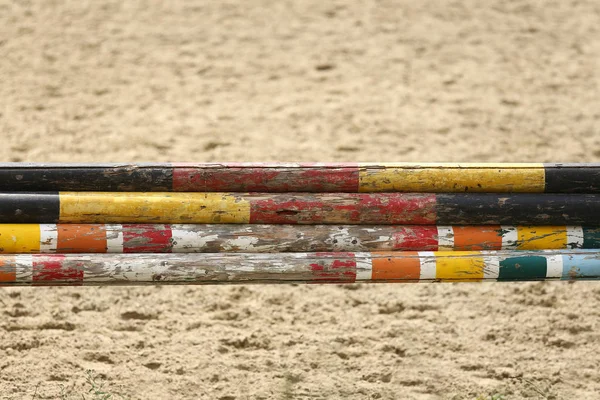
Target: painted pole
(215, 238)
(228, 268)
(301, 208)
(304, 177)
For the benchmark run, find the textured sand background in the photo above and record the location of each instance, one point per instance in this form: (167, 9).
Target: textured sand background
(304, 80)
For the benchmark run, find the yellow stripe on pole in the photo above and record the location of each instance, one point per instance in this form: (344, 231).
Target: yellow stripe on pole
(459, 266)
(523, 178)
(19, 238)
(541, 237)
(193, 208)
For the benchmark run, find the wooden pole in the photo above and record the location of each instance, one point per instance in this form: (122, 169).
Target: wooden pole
(215, 238)
(220, 268)
(303, 177)
(301, 208)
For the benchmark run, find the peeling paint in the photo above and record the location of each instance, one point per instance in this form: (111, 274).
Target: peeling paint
(207, 238)
(340, 267)
(301, 208)
(303, 177)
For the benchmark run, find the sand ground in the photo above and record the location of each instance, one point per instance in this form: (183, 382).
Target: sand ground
(469, 80)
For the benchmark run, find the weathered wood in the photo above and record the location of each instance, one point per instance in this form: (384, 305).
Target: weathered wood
(214, 238)
(303, 177)
(301, 208)
(228, 268)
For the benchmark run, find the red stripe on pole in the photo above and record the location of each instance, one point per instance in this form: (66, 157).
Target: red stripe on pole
(258, 178)
(147, 238)
(352, 208)
(334, 270)
(49, 270)
(424, 238)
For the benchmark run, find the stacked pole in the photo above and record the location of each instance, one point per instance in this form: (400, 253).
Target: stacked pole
(121, 224)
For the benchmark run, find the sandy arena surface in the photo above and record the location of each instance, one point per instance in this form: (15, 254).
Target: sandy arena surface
(303, 80)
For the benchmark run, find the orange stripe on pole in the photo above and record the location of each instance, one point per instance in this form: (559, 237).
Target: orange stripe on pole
(8, 271)
(477, 238)
(388, 266)
(84, 238)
